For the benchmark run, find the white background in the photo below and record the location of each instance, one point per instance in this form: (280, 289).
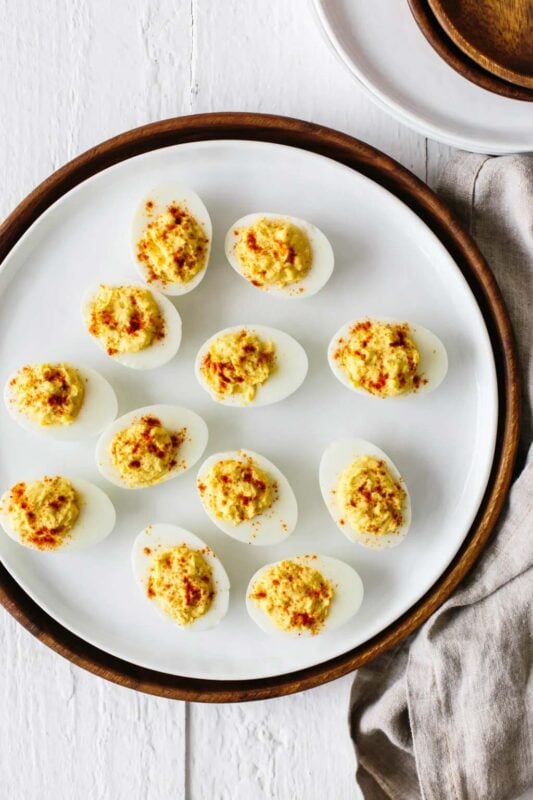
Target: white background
(72, 73)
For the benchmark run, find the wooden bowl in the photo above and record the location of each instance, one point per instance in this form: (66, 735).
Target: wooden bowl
(398, 180)
(457, 60)
(496, 34)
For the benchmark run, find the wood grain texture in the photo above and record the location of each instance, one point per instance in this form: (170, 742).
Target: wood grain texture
(138, 61)
(458, 60)
(496, 34)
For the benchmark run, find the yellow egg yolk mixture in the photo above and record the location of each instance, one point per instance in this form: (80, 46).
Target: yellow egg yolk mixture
(49, 394)
(180, 581)
(296, 597)
(370, 498)
(126, 319)
(174, 247)
(145, 451)
(380, 357)
(43, 512)
(274, 252)
(238, 364)
(236, 491)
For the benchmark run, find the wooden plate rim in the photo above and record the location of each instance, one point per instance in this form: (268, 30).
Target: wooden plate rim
(446, 48)
(473, 52)
(384, 170)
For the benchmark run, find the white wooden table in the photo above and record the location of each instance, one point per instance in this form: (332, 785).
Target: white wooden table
(72, 73)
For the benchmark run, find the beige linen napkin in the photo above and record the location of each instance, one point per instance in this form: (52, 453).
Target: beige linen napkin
(447, 714)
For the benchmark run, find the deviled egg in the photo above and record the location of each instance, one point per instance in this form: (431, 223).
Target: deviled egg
(304, 595)
(56, 513)
(250, 365)
(136, 326)
(365, 493)
(247, 497)
(181, 576)
(172, 235)
(61, 400)
(280, 254)
(151, 445)
(387, 358)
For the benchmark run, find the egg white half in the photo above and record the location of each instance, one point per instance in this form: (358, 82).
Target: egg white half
(95, 522)
(288, 376)
(175, 418)
(323, 259)
(345, 604)
(159, 537)
(158, 353)
(163, 197)
(433, 364)
(98, 410)
(272, 526)
(338, 457)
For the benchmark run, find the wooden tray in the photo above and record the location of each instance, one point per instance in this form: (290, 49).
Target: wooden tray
(382, 169)
(458, 60)
(496, 34)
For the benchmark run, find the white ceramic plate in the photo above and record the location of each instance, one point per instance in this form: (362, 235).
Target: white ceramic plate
(388, 263)
(380, 43)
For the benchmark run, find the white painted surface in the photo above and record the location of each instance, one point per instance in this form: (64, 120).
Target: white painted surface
(72, 73)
